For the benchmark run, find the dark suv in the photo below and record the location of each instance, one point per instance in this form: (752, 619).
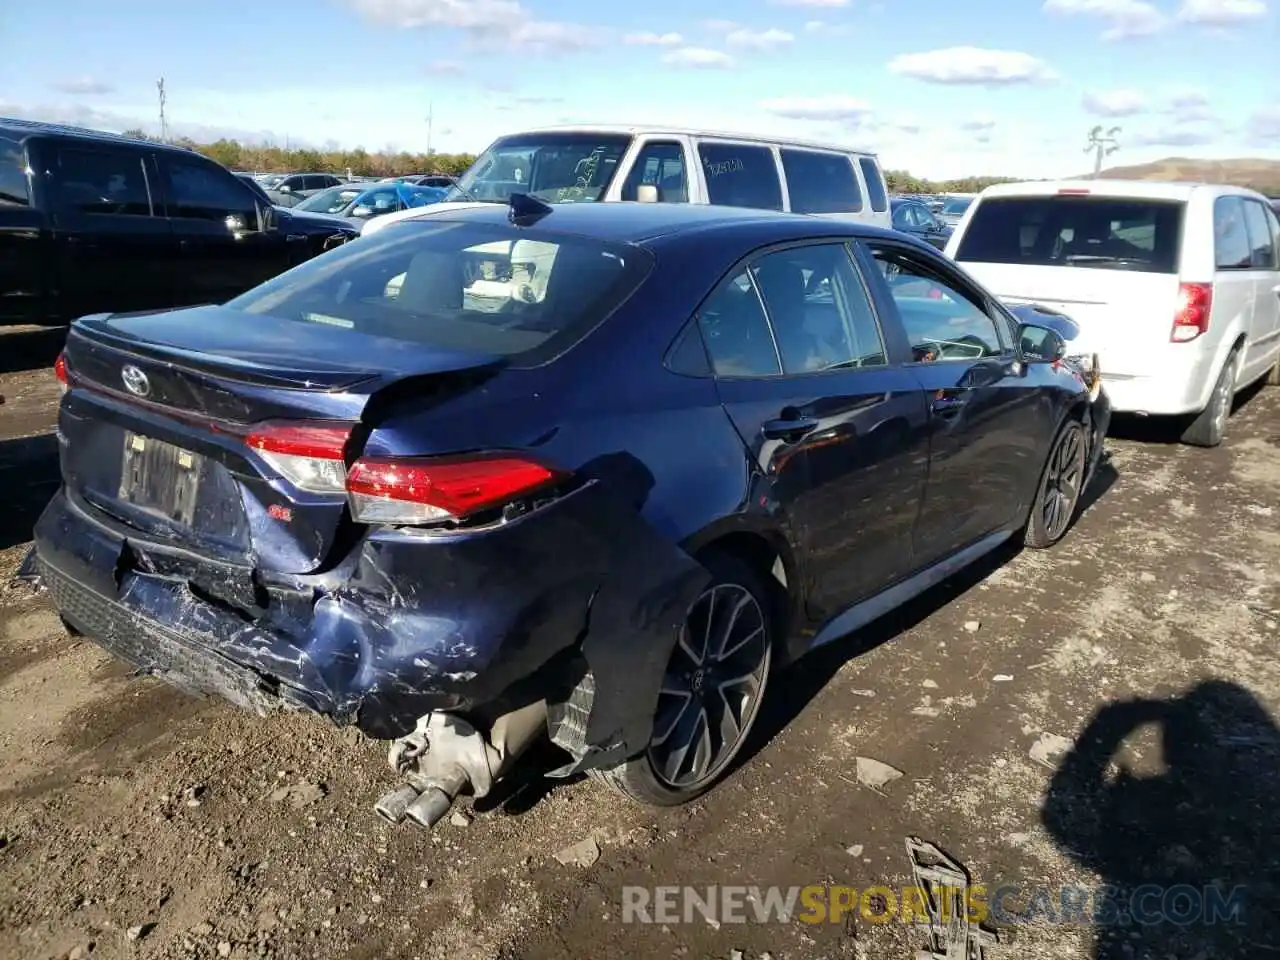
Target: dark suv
(92, 222)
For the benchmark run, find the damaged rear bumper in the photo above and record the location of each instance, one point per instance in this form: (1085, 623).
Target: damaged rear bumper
(578, 605)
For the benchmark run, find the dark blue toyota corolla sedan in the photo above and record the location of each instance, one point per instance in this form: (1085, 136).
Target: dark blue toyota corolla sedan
(589, 472)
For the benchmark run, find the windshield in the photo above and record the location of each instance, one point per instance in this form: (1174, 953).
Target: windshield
(557, 168)
(270, 180)
(332, 200)
(1074, 231)
(477, 288)
(956, 206)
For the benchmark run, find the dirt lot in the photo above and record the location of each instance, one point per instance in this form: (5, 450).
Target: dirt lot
(124, 805)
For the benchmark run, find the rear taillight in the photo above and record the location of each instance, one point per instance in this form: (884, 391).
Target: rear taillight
(311, 456)
(402, 491)
(61, 372)
(1191, 319)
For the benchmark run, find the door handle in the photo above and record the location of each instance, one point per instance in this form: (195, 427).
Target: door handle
(946, 405)
(790, 430)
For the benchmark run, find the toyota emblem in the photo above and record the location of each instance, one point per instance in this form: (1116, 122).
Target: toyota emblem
(135, 381)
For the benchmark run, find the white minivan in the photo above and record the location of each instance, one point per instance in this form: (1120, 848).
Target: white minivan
(1175, 286)
(670, 165)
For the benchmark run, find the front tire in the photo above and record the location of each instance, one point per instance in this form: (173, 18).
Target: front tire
(711, 692)
(1210, 425)
(1061, 485)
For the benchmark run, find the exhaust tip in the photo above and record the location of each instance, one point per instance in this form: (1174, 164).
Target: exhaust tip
(393, 805)
(429, 808)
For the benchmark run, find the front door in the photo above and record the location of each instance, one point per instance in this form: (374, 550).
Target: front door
(838, 427)
(223, 249)
(986, 420)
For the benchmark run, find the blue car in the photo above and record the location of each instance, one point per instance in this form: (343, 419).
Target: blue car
(589, 473)
(358, 201)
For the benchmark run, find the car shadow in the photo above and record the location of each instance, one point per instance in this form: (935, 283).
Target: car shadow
(31, 349)
(1186, 855)
(29, 476)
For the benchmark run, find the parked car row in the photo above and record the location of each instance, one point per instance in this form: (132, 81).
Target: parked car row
(588, 448)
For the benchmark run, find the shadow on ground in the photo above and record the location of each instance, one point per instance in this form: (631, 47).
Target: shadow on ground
(1187, 855)
(29, 476)
(1168, 430)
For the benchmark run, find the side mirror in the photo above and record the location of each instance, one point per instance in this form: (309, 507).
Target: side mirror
(363, 212)
(647, 193)
(1039, 344)
(284, 188)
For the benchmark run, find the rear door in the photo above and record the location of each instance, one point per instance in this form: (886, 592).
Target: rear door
(822, 183)
(223, 249)
(113, 248)
(1265, 329)
(835, 423)
(25, 248)
(1110, 263)
(737, 174)
(987, 427)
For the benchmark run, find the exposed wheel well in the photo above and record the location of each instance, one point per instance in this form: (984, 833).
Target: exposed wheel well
(772, 561)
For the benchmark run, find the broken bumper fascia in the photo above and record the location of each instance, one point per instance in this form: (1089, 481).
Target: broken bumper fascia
(578, 604)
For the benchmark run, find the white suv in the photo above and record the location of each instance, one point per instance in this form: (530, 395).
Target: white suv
(1175, 286)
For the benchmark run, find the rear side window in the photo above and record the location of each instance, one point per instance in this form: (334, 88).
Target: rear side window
(102, 182)
(477, 288)
(736, 331)
(14, 189)
(1112, 233)
(1231, 248)
(201, 192)
(739, 175)
(1261, 243)
(820, 182)
(875, 184)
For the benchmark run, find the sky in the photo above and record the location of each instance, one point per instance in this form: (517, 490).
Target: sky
(939, 88)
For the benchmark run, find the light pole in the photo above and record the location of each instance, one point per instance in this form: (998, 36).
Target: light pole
(1102, 145)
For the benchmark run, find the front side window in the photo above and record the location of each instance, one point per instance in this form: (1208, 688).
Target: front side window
(553, 167)
(660, 165)
(818, 308)
(476, 288)
(736, 331)
(103, 182)
(201, 192)
(940, 319)
(741, 175)
(820, 182)
(14, 188)
(1083, 232)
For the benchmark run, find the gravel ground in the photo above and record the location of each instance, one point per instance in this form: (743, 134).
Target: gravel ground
(1098, 713)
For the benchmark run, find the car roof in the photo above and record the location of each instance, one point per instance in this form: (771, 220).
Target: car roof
(632, 130)
(24, 129)
(1132, 189)
(634, 222)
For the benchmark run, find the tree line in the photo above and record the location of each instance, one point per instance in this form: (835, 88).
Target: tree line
(269, 158)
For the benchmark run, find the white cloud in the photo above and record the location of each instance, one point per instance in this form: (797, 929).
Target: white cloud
(1221, 13)
(1178, 135)
(1190, 104)
(812, 3)
(699, 58)
(982, 123)
(83, 86)
(765, 40)
(973, 66)
(649, 39)
(1125, 18)
(79, 115)
(1263, 128)
(446, 68)
(1114, 103)
(490, 23)
(845, 109)
(826, 28)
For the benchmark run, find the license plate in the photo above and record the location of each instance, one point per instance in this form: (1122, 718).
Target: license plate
(160, 478)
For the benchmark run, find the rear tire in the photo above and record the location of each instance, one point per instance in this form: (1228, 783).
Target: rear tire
(1210, 425)
(1061, 487)
(715, 682)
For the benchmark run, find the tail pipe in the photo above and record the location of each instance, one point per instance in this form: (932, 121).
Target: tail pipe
(393, 806)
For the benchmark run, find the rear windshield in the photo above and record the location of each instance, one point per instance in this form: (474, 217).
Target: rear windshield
(1114, 233)
(477, 288)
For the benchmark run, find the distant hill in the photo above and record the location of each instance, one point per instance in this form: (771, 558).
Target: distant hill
(1261, 175)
